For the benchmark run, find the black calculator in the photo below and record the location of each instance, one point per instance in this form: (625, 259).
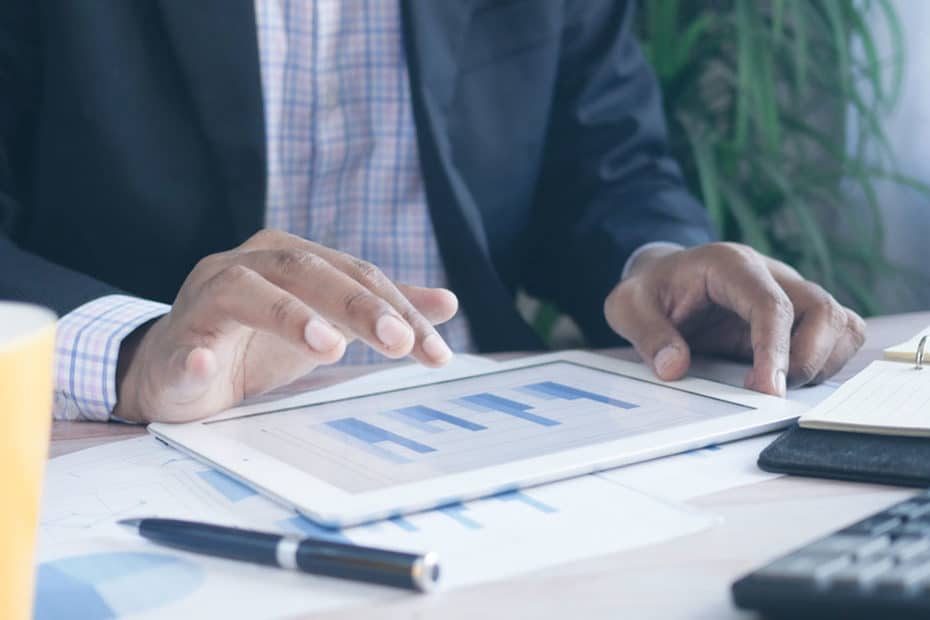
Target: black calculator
(876, 568)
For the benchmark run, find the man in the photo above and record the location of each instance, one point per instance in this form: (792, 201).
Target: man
(295, 175)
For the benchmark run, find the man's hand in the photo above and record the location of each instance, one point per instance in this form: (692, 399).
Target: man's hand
(260, 315)
(727, 299)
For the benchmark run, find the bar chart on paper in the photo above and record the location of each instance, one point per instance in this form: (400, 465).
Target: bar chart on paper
(391, 438)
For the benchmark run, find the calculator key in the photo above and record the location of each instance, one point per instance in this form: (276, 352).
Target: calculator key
(906, 548)
(861, 575)
(806, 568)
(915, 528)
(910, 509)
(879, 524)
(905, 576)
(860, 545)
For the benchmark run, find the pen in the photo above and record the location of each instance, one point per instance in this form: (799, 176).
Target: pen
(319, 557)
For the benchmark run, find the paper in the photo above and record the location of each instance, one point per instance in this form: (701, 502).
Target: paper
(714, 468)
(697, 472)
(886, 398)
(91, 568)
(905, 351)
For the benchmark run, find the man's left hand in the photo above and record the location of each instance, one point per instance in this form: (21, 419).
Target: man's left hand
(727, 299)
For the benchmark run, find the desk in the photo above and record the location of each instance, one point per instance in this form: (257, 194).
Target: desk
(684, 578)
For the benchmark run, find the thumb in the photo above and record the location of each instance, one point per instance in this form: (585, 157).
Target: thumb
(650, 331)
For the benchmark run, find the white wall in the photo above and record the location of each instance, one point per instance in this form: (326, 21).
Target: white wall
(908, 127)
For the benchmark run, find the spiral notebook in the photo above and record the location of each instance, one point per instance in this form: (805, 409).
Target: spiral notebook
(889, 397)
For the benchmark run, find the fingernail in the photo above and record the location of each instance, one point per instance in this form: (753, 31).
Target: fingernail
(391, 331)
(665, 359)
(320, 336)
(436, 348)
(781, 382)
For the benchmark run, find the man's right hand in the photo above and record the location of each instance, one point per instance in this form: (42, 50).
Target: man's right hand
(263, 314)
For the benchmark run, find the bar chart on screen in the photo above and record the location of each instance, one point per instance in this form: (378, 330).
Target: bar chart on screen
(395, 437)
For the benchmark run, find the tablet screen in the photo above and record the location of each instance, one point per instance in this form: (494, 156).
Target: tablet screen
(377, 441)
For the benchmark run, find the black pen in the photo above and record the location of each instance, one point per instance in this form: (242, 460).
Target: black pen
(319, 557)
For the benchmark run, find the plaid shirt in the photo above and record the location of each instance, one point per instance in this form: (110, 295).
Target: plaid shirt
(343, 170)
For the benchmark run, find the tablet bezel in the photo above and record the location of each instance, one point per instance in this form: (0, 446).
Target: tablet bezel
(334, 507)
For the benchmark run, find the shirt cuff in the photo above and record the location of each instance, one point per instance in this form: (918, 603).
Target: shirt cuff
(86, 352)
(646, 246)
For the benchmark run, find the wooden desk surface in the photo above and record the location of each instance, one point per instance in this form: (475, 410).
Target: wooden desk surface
(684, 578)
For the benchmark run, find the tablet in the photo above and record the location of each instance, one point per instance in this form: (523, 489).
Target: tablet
(424, 444)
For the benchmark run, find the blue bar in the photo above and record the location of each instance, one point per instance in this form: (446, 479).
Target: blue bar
(422, 427)
(403, 524)
(700, 451)
(535, 393)
(490, 402)
(532, 502)
(303, 525)
(419, 413)
(369, 433)
(569, 393)
(231, 489)
(456, 512)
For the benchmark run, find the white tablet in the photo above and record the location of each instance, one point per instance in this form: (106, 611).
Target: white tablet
(425, 444)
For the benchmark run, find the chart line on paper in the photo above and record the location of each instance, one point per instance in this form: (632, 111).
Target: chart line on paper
(231, 489)
(528, 500)
(457, 513)
(403, 524)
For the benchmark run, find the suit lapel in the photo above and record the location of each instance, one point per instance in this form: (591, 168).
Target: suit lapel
(216, 46)
(434, 33)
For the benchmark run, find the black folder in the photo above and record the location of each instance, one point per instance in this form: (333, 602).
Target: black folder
(883, 459)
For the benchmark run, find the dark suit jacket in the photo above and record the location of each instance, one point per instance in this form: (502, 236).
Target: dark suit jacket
(132, 145)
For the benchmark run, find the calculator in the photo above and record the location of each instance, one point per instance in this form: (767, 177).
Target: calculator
(876, 568)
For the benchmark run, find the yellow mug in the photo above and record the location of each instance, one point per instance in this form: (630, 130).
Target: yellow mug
(27, 349)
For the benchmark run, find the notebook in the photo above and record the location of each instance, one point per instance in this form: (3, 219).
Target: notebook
(889, 397)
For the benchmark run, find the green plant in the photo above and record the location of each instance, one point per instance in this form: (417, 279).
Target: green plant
(759, 96)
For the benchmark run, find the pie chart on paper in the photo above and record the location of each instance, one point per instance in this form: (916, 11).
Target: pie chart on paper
(100, 586)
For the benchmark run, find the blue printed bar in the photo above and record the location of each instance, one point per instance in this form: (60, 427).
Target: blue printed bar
(303, 525)
(369, 433)
(419, 413)
(231, 489)
(490, 402)
(456, 512)
(403, 523)
(551, 388)
(523, 498)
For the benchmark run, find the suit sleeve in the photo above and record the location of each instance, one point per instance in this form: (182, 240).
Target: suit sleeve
(608, 184)
(23, 275)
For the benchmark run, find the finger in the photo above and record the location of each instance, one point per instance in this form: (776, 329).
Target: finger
(188, 374)
(852, 340)
(745, 286)
(438, 305)
(242, 296)
(819, 330)
(428, 348)
(637, 316)
(336, 296)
